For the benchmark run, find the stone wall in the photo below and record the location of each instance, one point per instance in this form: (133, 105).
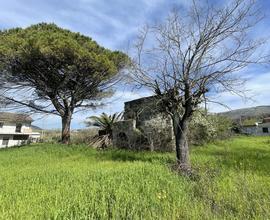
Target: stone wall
(141, 109)
(144, 127)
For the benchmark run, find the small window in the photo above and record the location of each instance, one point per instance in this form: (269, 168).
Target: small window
(20, 137)
(1, 124)
(18, 128)
(5, 141)
(265, 130)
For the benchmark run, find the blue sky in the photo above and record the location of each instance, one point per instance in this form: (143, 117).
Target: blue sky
(114, 24)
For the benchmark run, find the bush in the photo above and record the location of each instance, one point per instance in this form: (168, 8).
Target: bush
(207, 128)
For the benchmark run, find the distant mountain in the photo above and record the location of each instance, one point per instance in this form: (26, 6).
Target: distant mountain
(258, 112)
(36, 128)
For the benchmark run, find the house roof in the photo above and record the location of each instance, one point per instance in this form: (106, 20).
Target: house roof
(14, 117)
(266, 120)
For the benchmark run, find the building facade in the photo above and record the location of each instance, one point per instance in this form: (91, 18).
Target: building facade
(15, 129)
(258, 129)
(144, 127)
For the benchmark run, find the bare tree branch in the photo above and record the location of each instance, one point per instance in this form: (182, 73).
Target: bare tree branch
(193, 55)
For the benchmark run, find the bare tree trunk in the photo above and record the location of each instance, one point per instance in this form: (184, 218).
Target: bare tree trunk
(66, 121)
(181, 143)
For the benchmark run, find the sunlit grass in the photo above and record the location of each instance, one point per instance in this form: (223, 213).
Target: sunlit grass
(77, 182)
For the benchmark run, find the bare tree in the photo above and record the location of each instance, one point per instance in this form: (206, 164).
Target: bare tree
(190, 57)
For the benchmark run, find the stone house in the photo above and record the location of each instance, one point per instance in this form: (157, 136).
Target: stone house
(259, 128)
(15, 129)
(144, 127)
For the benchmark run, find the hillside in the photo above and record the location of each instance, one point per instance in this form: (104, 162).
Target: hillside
(36, 128)
(257, 112)
(46, 181)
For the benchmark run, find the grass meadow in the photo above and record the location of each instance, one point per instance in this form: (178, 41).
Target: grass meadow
(51, 181)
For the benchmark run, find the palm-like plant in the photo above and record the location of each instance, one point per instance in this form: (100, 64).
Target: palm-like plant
(105, 123)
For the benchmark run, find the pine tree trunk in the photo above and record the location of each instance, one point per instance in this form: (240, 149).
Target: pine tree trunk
(66, 121)
(181, 143)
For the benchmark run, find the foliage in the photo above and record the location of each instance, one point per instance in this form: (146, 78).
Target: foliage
(104, 121)
(51, 181)
(250, 121)
(205, 128)
(57, 70)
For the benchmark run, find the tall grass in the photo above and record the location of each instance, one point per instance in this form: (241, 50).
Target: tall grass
(50, 181)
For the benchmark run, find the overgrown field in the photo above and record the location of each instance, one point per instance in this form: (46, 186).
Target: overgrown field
(76, 182)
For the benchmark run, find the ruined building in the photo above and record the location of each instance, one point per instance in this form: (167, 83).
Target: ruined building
(144, 127)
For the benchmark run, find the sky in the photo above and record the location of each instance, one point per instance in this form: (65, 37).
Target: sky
(114, 24)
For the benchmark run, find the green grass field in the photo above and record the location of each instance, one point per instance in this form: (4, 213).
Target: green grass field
(76, 182)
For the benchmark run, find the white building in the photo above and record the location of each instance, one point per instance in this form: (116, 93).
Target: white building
(259, 129)
(15, 130)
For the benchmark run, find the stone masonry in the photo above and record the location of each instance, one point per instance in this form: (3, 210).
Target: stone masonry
(144, 127)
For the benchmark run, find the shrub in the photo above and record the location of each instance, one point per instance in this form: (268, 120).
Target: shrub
(205, 128)
(104, 122)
